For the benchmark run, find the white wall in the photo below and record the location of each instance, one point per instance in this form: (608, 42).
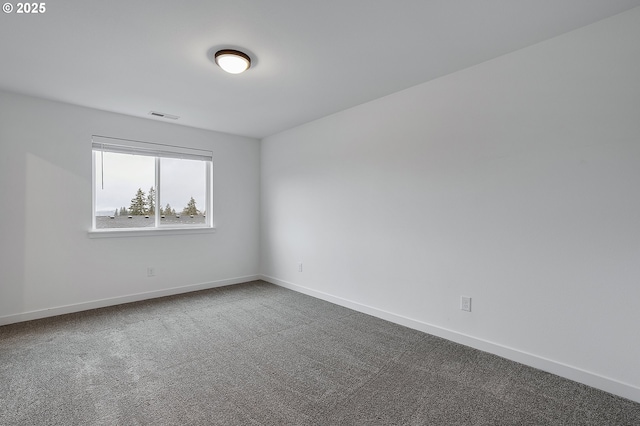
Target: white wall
(48, 265)
(514, 182)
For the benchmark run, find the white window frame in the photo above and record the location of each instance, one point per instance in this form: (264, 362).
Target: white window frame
(125, 146)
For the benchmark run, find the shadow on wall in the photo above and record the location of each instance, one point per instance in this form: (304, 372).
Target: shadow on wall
(56, 218)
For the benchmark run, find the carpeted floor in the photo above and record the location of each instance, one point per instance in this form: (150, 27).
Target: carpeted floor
(258, 354)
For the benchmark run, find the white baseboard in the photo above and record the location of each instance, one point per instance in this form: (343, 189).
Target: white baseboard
(101, 303)
(576, 374)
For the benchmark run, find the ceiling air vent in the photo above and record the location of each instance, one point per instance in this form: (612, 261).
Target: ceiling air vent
(163, 115)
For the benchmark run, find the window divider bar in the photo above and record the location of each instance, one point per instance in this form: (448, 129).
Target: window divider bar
(93, 190)
(157, 180)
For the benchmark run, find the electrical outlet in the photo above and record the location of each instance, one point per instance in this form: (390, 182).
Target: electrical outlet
(151, 272)
(465, 303)
(299, 266)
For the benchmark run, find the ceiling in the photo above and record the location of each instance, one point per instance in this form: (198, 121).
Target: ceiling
(310, 58)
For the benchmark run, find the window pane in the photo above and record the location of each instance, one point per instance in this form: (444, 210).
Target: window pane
(183, 191)
(124, 190)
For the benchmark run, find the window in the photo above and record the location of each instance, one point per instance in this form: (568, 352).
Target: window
(140, 186)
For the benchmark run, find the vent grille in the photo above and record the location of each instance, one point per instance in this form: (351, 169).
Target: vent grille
(163, 115)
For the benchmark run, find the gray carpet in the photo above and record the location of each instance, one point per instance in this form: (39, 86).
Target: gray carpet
(257, 354)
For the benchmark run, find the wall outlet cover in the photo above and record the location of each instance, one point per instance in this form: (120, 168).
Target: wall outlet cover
(465, 303)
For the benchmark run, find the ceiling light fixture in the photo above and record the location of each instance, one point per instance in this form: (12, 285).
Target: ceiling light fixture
(232, 61)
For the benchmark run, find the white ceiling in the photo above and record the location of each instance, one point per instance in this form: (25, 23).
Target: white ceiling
(311, 58)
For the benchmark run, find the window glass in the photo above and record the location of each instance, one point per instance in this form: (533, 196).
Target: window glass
(184, 189)
(123, 183)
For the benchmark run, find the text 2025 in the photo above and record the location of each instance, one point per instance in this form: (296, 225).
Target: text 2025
(31, 7)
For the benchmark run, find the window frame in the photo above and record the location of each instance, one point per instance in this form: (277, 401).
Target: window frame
(157, 151)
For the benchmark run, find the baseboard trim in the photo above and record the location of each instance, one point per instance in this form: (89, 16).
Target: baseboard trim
(576, 374)
(102, 303)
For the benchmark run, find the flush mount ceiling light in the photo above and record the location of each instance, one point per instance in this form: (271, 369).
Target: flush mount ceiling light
(232, 61)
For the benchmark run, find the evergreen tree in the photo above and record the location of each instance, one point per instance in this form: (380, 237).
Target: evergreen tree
(151, 202)
(168, 211)
(138, 203)
(124, 211)
(191, 208)
(115, 213)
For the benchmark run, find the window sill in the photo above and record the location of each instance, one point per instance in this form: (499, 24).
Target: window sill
(118, 233)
